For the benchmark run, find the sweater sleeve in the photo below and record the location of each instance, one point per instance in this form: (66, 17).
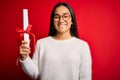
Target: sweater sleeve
(30, 66)
(86, 64)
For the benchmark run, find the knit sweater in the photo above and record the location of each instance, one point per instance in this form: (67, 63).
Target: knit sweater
(59, 60)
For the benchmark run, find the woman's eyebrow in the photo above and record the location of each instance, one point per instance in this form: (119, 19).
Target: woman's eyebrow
(56, 14)
(63, 13)
(66, 13)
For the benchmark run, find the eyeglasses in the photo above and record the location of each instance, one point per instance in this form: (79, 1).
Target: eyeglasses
(65, 17)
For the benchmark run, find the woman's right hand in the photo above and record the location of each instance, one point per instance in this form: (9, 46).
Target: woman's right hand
(24, 50)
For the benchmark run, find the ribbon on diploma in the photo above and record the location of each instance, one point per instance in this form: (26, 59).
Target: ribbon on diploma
(22, 31)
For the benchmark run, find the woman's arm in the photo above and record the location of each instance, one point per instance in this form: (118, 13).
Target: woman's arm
(30, 66)
(86, 64)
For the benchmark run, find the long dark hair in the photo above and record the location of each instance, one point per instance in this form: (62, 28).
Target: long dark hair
(73, 29)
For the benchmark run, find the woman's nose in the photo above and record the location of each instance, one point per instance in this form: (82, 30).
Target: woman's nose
(61, 19)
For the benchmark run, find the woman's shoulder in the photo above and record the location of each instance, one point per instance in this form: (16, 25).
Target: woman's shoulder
(80, 41)
(44, 39)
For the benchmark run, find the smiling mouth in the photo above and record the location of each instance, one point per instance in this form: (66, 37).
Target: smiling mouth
(61, 25)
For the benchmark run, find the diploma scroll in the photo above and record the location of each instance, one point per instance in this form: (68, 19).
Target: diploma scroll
(25, 25)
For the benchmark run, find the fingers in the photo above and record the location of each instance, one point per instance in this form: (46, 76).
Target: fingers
(25, 42)
(24, 47)
(24, 50)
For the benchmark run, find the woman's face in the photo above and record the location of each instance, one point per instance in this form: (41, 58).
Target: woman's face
(62, 19)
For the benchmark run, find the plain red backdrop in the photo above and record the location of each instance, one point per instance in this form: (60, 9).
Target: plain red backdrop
(98, 24)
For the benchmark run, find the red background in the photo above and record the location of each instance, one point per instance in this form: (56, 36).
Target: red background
(98, 24)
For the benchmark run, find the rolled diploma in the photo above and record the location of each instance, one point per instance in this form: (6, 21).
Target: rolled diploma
(25, 24)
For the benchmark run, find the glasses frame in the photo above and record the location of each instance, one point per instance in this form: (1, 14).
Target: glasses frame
(64, 17)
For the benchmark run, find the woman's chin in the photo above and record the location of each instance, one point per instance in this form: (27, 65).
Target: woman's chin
(61, 31)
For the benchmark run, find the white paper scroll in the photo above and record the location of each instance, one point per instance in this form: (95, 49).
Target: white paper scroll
(25, 24)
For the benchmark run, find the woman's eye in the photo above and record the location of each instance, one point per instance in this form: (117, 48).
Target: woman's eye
(66, 16)
(56, 16)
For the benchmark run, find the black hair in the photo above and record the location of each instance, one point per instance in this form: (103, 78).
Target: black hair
(73, 29)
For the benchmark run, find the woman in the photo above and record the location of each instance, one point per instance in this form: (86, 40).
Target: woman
(61, 55)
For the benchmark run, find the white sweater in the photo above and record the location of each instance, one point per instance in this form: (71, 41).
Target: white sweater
(59, 60)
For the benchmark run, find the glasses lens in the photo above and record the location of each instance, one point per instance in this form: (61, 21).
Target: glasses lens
(56, 17)
(64, 17)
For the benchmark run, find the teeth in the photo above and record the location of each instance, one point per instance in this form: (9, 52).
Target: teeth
(60, 24)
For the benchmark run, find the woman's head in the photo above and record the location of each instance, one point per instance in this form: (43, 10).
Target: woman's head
(63, 19)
